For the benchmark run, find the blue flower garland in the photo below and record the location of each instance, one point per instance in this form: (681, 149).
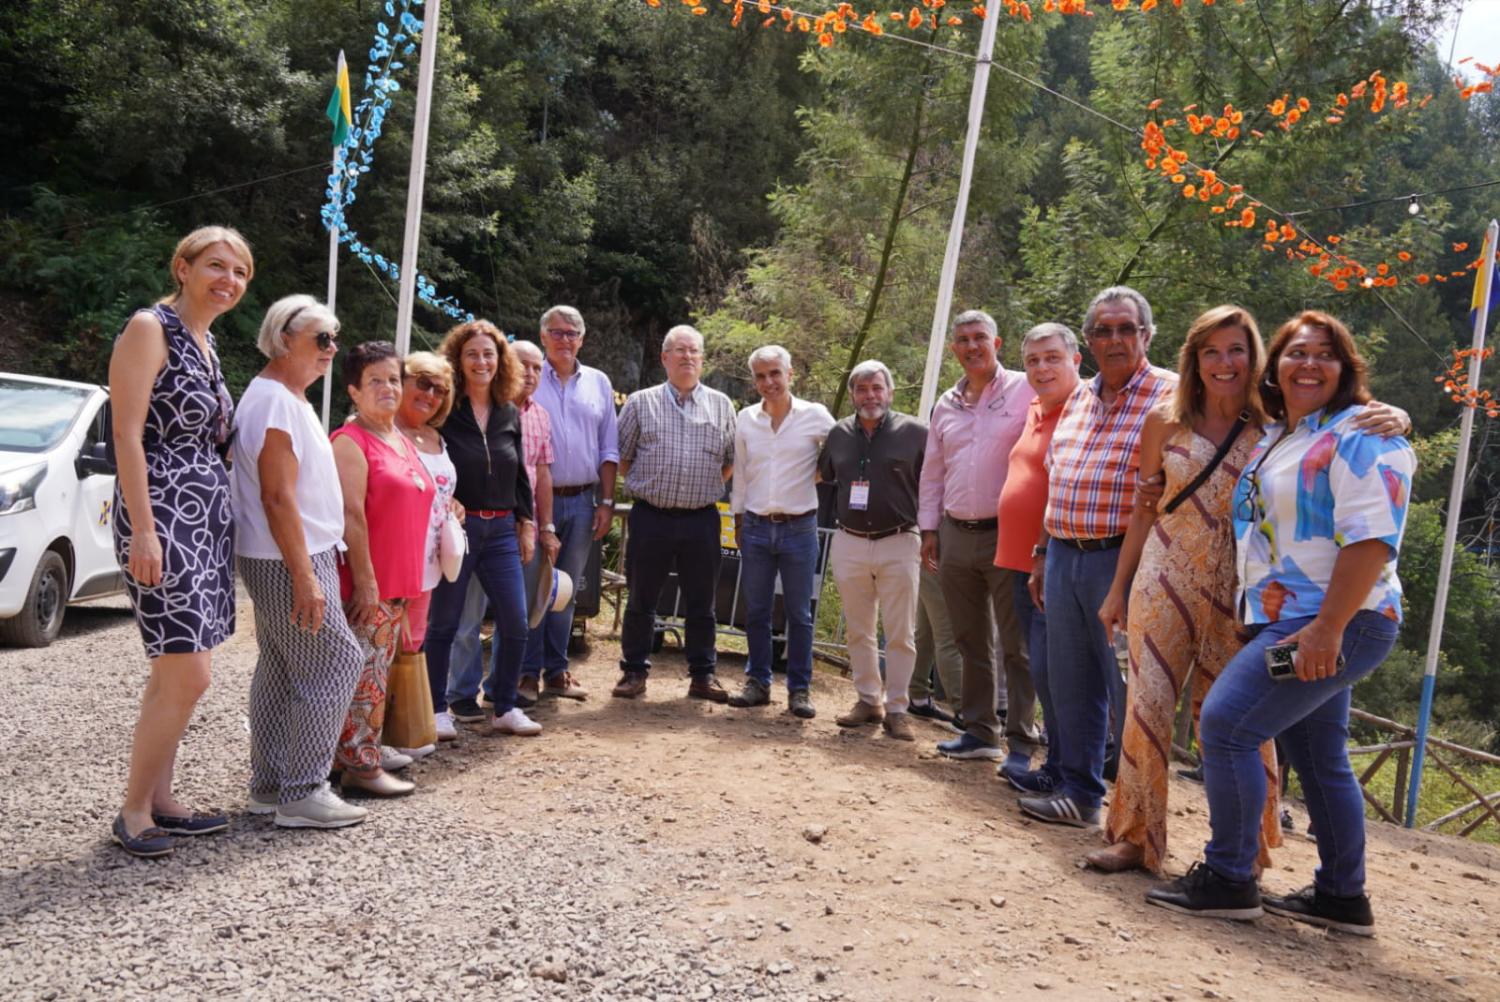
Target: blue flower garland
(357, 155)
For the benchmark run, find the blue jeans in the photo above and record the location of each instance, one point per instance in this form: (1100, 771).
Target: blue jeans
(495, 558)
(1246, 708)
(789, 549)
(547, 646)
(1034, 629)
(466, 664)
(1087, 675)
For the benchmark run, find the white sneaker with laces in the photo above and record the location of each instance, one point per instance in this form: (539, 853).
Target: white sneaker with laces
(394, 760)
(518, 723)
(417, 754)
(321, 809)
(446, 730)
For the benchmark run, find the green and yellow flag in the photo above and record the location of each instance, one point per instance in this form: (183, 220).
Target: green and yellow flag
(338, 104)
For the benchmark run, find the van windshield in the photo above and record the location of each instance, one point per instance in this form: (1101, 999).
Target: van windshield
(34, 416)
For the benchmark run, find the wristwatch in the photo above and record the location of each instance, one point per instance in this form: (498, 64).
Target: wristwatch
(608, 501)
(1038, 551)
(549, 527)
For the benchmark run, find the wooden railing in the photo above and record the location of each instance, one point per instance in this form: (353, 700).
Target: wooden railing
(1403, 740)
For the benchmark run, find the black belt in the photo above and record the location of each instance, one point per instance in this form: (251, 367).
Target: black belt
(782, 517)
(1093, 545)
(675, 512)
(881, 534)
(975, 524)
(571, 492)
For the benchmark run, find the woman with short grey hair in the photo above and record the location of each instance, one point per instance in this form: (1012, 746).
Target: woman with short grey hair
(289, 522)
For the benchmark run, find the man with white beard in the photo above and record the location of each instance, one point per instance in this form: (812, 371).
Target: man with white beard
(874, 456)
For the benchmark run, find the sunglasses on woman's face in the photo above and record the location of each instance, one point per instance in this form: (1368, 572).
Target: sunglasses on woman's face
(325, 340)
(426, 385)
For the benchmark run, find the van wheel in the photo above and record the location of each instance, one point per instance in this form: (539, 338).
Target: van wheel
(40, 619)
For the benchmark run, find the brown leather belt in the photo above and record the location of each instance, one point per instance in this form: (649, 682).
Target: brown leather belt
(1093, 545)
(571, 492)
(879, 534)
(975, 524)
(782, 517)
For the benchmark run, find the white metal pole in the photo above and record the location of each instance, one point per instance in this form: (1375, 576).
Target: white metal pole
(956, 227)
(333, 275)
(417, 179)
(1450, 530)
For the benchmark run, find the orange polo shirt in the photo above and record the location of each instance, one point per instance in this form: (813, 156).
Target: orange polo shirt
(1023, 499)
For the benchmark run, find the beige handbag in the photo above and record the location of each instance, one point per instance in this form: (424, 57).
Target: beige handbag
(408, 700)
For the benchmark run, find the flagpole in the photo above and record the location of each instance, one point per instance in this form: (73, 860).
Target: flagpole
(949, 274)
(417, 179)
(333, 275)
(1450, 530)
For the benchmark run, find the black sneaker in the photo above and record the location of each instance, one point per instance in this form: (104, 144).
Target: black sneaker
(1201, 891)
(1193, 775)
(1287, 824)
(929, 711)
(752, 693)
(466, 711)
(1351, 915)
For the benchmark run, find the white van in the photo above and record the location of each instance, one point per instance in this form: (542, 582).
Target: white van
(56, 505)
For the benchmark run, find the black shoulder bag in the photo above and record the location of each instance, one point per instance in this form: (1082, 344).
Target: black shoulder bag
(1213, 464)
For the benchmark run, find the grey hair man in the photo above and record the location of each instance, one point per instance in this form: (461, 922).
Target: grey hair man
(874, 457)
(676, 451)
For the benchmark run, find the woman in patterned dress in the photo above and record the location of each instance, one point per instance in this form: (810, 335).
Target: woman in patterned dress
(174, 535)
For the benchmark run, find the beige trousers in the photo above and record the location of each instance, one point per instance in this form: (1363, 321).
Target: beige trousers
(878, 577)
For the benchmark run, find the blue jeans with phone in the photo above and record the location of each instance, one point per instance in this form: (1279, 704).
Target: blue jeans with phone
(1246, 708)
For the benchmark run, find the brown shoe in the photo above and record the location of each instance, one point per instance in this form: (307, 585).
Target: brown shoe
(563, 686)
(526, 693)
(708, 687)
(898, 726)
(861, 714)
(631, 685)
(1116, 858)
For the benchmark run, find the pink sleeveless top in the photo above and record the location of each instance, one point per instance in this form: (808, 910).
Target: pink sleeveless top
(398, 506)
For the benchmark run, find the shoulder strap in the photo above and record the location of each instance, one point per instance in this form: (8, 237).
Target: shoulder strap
(1208, 471)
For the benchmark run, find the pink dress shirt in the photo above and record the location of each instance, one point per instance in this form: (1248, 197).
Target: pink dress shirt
(968, 448)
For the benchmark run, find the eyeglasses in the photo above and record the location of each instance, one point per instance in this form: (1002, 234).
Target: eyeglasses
(564, 333)
(425, 385)
(1124, 331)
(1247, 506)
(687, 352)
(325, 340)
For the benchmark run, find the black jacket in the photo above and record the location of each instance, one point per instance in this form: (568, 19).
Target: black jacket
(491, 473)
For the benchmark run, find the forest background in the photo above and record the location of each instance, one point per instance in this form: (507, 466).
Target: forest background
(654, 167)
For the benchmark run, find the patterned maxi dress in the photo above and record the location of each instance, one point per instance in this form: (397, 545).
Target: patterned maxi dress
(192, 608)
(1181, 611)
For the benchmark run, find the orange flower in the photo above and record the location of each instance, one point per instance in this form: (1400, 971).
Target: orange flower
(1403, 255)
(1247, 218)
(1154, 105)
(914, 19)
(1382, 268)
(1423, 279)
(825, 40)
(1303, 104)
(1334, 239)
(871, 25)
(1188, 191)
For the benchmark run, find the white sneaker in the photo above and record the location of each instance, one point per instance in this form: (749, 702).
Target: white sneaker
(393, 759)
(518, 723)
(320, 809)
(257, 806)
(417, 754)
(446, 730)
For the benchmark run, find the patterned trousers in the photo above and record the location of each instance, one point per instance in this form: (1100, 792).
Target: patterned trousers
(303, 681)
(359, 743)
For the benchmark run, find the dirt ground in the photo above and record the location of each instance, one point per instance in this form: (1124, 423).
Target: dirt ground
(887, 872)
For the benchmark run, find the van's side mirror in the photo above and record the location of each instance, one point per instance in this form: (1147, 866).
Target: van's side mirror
(93, 462)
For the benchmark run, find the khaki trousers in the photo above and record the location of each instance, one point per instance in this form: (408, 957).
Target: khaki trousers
(879, 576)
(976, 590)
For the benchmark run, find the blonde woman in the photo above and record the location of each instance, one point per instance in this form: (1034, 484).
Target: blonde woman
(174, 534)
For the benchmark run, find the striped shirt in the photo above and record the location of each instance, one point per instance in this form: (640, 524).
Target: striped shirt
(1095, 455)
(536, 441)
(677, 451)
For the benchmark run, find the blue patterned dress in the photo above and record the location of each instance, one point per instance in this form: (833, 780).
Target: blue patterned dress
(189, 415)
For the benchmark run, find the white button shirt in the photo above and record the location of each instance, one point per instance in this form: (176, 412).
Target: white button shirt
(775, 471)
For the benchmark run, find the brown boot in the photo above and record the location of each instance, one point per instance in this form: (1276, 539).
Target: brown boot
(708, 687)
(898, 726)
(1116, 858)
(860, 714)
(631, 685)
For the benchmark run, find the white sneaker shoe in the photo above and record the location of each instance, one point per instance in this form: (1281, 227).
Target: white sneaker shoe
(518, 723)
(321, 809)
(445, 729)
(417, 754)
(257, 806)
(393, 759)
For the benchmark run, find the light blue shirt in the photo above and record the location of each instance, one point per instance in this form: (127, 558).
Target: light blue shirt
(585, 430)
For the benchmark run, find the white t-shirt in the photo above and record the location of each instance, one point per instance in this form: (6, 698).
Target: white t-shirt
(268, 405)
(446, 477)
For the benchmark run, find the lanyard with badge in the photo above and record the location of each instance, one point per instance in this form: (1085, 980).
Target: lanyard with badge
(859, 490)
